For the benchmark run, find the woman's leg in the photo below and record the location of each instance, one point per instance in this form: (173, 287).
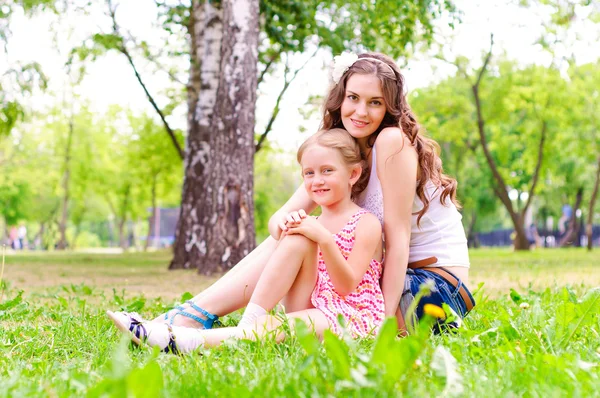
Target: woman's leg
(313, 318)
(233, 290)
(292, 269)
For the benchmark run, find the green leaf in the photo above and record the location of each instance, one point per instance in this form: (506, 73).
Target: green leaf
(307, 338)
(146, 382)
(136, 306)
(337, 351)
(63, 302)
(444, 365)
(386, 340)
(186, 296)
(12, 303)
(515, 297)
(586, 310)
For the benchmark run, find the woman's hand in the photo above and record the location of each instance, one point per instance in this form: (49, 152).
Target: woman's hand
(292, 219)
(310, 228)
(284, 220)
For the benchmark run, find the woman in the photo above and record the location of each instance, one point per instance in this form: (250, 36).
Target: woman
(421, 224)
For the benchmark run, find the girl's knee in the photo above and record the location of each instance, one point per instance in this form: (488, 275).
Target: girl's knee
(298, 242)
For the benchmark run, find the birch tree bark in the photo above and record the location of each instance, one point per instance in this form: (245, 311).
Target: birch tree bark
(216, 223)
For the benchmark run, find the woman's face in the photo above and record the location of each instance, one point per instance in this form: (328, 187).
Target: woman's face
(363, 108)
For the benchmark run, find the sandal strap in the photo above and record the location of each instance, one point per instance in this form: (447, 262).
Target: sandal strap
(212, 317)
(208, 323)
(138, 329)
(192, 316)
(179, 308)
(172, 345)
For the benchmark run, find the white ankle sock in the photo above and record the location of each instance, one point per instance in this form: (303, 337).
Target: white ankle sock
(251, 314)
(186, 339)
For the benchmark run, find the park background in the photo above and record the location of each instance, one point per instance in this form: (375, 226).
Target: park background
(97, 139)
(87, 161)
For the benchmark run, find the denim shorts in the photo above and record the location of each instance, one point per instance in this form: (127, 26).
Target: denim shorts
(442, 291)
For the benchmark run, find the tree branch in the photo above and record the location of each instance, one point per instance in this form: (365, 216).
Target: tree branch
(455, 64)
(538, 167)
(264, 71)
(486, 62)
(125, 52)
(501, 189)
(286, 85)
(154, 59)
(110, 204)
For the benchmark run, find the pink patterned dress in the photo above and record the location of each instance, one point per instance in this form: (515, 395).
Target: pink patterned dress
(363, 310)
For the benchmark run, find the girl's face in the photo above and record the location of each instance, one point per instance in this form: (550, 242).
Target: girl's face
(363, 108)
(327, 178)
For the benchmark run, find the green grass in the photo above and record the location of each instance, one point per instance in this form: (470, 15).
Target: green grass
(541, 340)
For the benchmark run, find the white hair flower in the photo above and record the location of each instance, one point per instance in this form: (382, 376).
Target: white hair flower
(341, 63)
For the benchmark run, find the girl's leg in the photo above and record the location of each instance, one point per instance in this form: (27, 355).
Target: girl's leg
(233, 290)
(290, 274)
(313, 318)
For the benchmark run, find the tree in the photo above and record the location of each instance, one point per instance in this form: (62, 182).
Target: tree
(216, 224)
(584, 119)
(523, 110)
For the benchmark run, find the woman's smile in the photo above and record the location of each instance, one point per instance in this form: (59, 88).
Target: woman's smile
(363, 108)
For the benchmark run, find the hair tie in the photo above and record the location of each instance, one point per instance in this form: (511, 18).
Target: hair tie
(343, 62)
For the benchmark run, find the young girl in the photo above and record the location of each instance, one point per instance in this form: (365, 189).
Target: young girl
(336, 273)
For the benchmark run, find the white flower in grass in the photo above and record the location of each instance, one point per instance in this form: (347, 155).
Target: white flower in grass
(524, 305)
(341, 63)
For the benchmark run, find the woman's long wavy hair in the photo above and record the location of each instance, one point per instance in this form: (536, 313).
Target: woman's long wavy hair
(398, 114)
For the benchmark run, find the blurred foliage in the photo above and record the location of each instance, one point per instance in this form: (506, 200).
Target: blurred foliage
(19, 79)
(118, 156)
(116, 159)
(515, 102)
(276, 177)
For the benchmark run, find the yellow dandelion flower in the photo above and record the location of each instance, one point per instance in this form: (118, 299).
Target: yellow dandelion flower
(434, 310)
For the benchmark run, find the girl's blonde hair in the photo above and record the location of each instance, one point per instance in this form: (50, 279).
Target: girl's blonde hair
(346, 145)
(398, 114)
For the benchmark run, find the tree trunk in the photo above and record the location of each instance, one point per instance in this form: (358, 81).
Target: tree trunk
(122, 237)
(122, 218)
(572, 232)
(152, 222)
(521, 242)
(471, 238)
(40, 236)
(62, 243)
(590, 218)
(216, 223)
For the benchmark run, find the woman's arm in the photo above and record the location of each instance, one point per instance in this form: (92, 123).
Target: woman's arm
(347, 274)
(299, 200)
(397, 164)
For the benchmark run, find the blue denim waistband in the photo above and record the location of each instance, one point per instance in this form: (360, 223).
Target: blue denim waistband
(442, 291)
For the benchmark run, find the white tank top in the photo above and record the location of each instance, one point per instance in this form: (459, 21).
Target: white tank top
(439, 234)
